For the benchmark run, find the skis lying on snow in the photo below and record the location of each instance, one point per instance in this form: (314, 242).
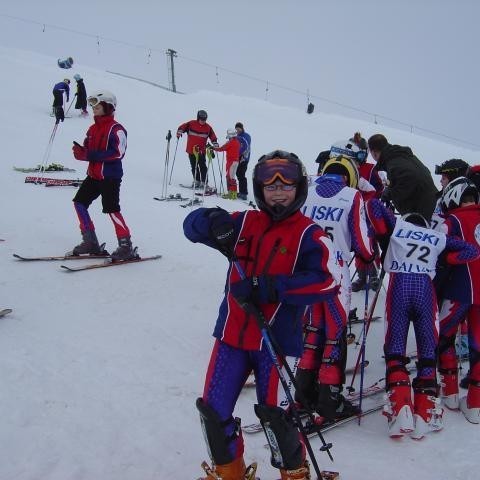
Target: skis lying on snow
(191, 203)
(109, 263)
(60, 257)
(53, 167)
(55, 182)
(5, 311)
(171, 198)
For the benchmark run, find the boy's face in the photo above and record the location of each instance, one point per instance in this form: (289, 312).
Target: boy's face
(98, 110)
(279, 193)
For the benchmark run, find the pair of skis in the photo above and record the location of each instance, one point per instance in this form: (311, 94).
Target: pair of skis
(106, 263)
(54, 182)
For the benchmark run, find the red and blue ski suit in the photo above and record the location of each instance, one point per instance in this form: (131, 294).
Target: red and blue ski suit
(296, 254)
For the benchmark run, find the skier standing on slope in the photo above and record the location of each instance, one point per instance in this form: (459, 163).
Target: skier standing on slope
(410, 253)
(461, 299)
(198, 132)
(232, 148)
(81, 102)
(103, 148)
(245, 150)
(284, 262)
(336, 205)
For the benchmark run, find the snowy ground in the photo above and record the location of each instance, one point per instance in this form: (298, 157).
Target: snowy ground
(100, 370)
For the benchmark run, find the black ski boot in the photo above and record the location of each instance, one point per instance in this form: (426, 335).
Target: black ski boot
(89, 245)
(125, 251)
(332, 405)
(307, 387)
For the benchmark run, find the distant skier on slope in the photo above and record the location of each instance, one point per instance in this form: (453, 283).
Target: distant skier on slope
(286, 259)
(232, 149)
(81, 102)
(198, 133)
(410, 253)
(59, 89)
(104, 148)
(245, 151)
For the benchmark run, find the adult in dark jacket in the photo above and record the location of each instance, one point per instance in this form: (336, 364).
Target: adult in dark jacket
(411, 187)
(81, 103)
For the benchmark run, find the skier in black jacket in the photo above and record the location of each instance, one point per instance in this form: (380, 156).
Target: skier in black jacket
(81, 103)
(411, 187)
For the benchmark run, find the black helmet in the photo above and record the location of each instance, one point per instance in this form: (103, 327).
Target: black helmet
(417, 219)
(288, 168)
(202, 115)
(453, 168)
(455, 191)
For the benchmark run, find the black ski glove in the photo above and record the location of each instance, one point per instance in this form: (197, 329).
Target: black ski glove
(59, 114)
(222, 231)
(258, 289)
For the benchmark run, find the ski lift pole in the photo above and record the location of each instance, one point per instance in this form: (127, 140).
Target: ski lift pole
(173, 162)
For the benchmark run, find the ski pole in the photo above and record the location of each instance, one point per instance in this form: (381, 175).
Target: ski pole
(367, 327)
(70, 106)
(275, 353)
(210, 156)
(167, 159)
(173, 162)
(364, 340)
(47, 153)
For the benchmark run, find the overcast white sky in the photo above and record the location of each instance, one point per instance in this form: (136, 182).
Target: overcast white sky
(411, 60)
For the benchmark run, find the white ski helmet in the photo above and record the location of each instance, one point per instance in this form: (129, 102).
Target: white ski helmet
(346, 148)
(231, 133)
(455, 191)
(102, 96)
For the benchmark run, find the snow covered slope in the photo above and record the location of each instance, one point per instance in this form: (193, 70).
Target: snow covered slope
(100, 370)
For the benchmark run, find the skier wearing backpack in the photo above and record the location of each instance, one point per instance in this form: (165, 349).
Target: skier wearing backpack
(280, 263)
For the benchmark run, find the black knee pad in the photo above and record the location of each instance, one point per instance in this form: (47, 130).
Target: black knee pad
(214, 433)
(282, 436)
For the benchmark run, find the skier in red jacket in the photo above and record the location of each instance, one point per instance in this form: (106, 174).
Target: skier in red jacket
(198, 133)
(232, 148)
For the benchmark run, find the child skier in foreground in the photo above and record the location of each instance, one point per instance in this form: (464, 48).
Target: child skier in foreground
(410, 258)
(279, 262)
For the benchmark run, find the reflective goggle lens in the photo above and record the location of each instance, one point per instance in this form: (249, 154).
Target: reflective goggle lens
(274, 187)
(93, 101)
(277, 169)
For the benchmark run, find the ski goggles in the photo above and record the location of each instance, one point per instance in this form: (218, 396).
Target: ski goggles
(360, 156)
(93, 101)
(268, 171)
(273, 187)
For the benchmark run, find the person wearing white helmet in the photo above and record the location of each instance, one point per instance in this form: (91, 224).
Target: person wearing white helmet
(81, 102)
(103, 148)
(232, 148)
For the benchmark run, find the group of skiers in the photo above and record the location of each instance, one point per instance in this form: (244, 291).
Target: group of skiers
(288, 288)
(288, 293)
(237, 149)
(61, 90)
